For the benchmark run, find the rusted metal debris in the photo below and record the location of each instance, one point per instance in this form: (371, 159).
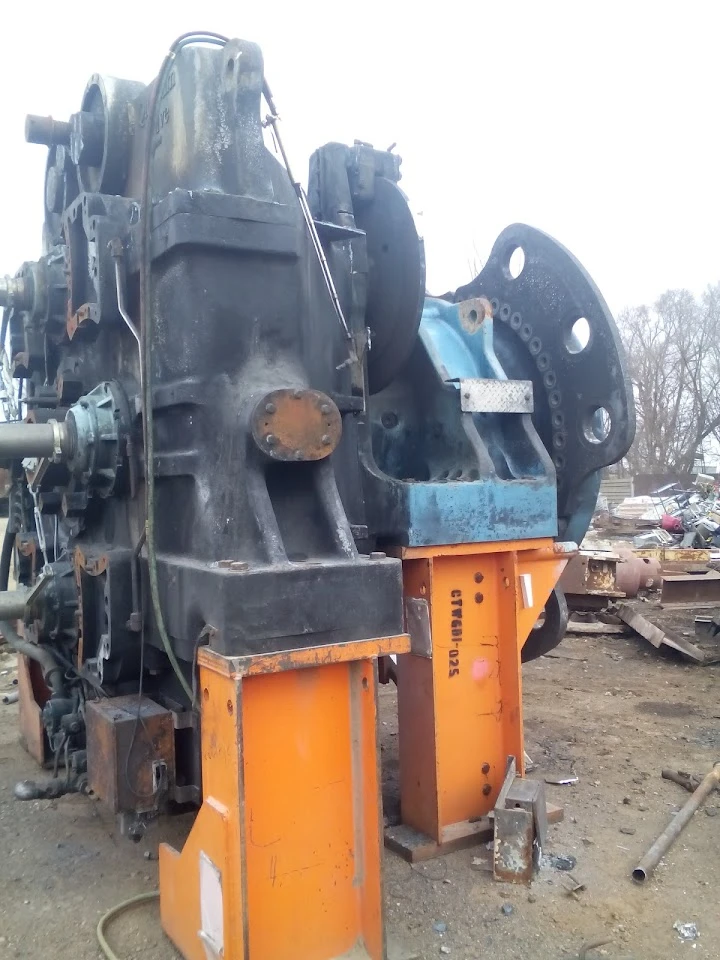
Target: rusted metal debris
(520, 821)
(691, 587)
(687, 780)
(659, 637)
(589, 580)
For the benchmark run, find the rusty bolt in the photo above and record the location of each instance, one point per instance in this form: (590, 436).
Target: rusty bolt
(479, 598)
(487, 789)
(325, 408)
(486, 768)
(270, 408)
(270, 440)
(479, 578)
(326, 439)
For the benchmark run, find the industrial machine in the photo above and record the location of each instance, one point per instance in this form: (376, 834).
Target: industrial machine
(254, 458)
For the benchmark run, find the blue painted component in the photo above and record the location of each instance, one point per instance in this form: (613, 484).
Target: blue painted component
(480, 511)
(437, 475)
(454, 351)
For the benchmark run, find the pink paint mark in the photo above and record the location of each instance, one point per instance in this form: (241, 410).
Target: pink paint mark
(481, 669)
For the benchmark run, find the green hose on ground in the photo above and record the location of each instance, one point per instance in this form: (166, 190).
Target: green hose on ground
(114, 912)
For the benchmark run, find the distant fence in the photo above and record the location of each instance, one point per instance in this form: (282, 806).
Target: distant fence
(616, 489)
(646, 483)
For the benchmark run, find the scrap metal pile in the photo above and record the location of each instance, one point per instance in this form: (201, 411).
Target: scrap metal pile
(685, 518)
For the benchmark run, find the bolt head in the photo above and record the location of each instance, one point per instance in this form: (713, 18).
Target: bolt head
(326, 439)
(297, 394)
(271, 440)
(325, 408)
(270, 408)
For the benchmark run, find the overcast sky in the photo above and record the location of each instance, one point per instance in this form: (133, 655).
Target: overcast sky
(594, 120)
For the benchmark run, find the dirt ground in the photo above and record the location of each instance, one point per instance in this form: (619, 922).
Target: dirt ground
(610, 710)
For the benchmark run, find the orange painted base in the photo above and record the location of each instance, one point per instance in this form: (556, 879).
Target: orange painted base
(283, 861)
(460, 703)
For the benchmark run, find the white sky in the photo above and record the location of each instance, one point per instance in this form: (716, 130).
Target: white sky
(595, 120)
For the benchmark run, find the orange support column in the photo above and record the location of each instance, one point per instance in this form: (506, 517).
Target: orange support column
(284, 859)
(460, 689)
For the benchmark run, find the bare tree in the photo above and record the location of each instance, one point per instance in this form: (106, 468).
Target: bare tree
(673, 351)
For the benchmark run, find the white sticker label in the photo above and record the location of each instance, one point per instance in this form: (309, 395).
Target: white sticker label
(212, 931)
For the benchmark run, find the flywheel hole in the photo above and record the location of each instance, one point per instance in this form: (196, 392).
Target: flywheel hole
(597, 425)
(577, 335)
(515, 263)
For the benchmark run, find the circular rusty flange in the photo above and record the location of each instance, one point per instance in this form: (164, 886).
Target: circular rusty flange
(296, 425)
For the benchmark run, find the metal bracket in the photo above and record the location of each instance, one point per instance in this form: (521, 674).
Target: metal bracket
(478, 395)
(520, 827)
(417, 624)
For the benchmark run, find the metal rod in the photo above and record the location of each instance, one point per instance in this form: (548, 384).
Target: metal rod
(120, 287)
(14, 292)
(272, 120)
(666, 839)
(20, 440)
(11, 697)
(117, 252)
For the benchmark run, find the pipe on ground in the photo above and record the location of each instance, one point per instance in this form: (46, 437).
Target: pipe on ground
(666, 839)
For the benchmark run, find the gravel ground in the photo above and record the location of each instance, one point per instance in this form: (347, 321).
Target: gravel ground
(610, 710)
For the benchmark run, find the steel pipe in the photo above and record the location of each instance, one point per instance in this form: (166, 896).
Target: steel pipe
(12, 603)
(20, 440)
(14, 292)
(666, 839)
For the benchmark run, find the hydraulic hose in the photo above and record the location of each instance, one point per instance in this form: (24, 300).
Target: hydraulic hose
(115, 912)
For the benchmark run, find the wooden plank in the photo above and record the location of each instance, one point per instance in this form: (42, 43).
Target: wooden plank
(578, 626)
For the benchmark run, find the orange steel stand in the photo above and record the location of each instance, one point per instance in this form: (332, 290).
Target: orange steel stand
(284, 859)
(460, 689)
